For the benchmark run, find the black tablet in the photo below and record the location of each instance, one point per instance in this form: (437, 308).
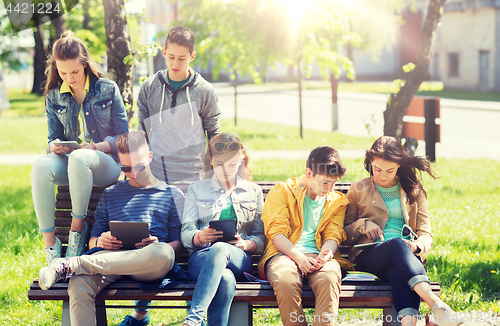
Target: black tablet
(227, 226)
(129, 233)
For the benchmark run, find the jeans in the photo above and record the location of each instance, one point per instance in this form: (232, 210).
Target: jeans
(81, 169)
(216, 269)
(393, 261)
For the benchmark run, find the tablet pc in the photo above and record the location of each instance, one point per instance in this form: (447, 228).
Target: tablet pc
(227, 226)
(68, 143)
(366, 245)
(129, 233)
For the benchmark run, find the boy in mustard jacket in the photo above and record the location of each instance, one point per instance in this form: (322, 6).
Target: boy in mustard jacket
(303, 220)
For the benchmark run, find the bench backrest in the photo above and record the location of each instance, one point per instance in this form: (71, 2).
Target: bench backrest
(63, 212)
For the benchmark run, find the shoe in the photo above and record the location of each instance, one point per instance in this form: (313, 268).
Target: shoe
(443, 315)
(131, 321)
(53, 254)
(76, 242)
(58, 270)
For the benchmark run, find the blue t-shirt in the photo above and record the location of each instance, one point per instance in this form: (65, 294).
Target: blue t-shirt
(160, 206)
(177, 84)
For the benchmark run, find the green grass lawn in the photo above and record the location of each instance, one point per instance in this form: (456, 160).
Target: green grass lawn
(465, 258)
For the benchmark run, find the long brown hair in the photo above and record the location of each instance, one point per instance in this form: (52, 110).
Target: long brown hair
(68, 47)
(246, 168)
(410, 167)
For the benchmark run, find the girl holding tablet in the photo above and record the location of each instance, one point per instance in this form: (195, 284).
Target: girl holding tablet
(83, 107)
(226, 193)
(390, 209)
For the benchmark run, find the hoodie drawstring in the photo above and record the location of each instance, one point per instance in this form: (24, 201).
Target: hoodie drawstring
(162, 100)
(190, 106)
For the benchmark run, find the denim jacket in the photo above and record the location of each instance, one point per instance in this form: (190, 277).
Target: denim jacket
(204, 203)
(103, 108)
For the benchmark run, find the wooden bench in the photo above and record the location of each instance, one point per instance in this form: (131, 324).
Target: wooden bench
(249, 295)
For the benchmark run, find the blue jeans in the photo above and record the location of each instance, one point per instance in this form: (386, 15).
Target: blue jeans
(216, 269)
(393, 261)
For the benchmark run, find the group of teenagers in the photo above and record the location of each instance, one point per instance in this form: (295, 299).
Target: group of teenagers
(297, 230)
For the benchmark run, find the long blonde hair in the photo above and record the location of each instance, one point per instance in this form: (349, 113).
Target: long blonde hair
(246, 168)
(68, 47)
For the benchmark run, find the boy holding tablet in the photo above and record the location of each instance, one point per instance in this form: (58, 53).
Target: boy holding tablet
(141, 198)
(303, 220)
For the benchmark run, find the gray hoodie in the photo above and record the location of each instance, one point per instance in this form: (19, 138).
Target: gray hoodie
(176, 122)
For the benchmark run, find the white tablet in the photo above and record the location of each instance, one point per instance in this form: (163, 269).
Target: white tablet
(68, 143)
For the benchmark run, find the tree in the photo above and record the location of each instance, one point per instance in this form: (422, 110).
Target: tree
(118, 48)
(398, 103)
(234, 35)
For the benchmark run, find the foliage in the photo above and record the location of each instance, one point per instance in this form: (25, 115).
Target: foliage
(238, 35)
(95, 36)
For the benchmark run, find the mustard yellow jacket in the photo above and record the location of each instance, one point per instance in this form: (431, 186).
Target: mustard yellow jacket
(366, 203)
(283, 214)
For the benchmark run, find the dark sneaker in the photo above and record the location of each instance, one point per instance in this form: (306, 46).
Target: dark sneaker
(76, 242)
(53, 254)
(58, 270)
(131, 321)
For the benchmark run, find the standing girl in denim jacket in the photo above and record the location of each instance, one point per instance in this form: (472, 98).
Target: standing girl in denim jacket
(80, 106)
(225, 193)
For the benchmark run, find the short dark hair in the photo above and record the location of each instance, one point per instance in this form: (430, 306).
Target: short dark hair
(181, 36)
(325, 160)
(130, 141)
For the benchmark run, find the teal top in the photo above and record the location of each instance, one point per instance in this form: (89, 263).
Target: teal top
(392, 199)
(177, 84)
(228, 212)
(313, 210)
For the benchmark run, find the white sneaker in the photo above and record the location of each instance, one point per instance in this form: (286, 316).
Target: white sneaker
(53, 254)
(443, 315)
(58, 270)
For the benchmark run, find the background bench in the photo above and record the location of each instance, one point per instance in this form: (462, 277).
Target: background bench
(249, 295)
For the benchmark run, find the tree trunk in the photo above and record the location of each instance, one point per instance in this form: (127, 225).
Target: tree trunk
(299, 74)
(118, 47)
(334, 83)
(235, 85)
(86, 15)
(398, 103)
(60, 25)
(38, 61)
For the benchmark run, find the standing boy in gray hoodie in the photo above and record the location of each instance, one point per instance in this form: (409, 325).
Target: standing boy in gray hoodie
(177, 106)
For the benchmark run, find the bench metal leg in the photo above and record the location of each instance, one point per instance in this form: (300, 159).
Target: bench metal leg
(240, 314)
(100, 313)
(65, 320)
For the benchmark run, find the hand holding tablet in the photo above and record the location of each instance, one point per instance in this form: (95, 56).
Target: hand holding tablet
(228, 227)
(68, 143)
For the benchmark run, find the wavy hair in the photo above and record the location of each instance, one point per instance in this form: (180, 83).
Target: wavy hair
(410, 167)
(68, 47)
(246, 168)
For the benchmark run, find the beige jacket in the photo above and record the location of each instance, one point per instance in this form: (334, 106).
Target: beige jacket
(366, 203)
(283, 214)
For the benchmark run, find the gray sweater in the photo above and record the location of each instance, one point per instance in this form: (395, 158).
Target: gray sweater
(176, 122)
